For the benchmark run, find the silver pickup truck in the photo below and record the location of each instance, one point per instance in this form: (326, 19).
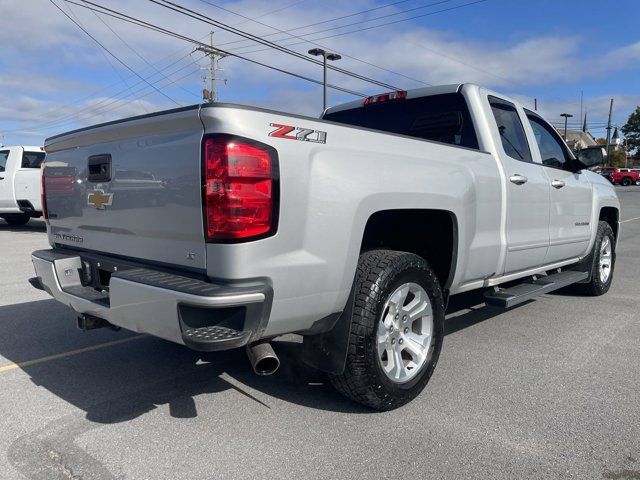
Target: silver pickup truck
(223, 226)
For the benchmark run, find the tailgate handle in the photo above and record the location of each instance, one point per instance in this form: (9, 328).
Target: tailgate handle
(99, 168)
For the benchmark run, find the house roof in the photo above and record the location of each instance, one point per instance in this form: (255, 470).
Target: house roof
(575, 136)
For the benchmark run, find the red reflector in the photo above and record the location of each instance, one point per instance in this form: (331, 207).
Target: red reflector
(239, 189)
(385, 97)
(43, 198)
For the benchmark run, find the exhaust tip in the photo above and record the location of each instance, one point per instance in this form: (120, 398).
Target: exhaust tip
(267, 366)
(263, 359)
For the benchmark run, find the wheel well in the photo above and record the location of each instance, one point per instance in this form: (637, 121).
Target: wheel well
(432, 234)
(611, 216)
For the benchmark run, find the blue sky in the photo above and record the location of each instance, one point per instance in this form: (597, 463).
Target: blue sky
(54, 78)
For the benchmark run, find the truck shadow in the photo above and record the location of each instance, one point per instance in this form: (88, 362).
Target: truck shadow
(125, 380)
(34, 225)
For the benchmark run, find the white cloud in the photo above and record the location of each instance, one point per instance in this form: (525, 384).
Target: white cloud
(58, 72)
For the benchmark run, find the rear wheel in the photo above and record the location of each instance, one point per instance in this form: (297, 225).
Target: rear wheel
(638, 182)
(603, 258)
(396, 330)
(16, 219)
(626, 181)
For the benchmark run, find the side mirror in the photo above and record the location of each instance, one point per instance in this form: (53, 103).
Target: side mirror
(590, 157)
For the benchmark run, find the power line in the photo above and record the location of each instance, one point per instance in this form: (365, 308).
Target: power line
(102, 52)
(146, 24)
(172, 82)
(373, 26)
(307, 40)
(271, 12)
(110, 53)
(361, 12)
(100, 108)
(205, 19)
(287, 32)
(104, 106)
(104, 102)
(141, 57)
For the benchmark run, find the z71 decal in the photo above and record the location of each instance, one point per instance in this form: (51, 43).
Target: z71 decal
(298, 133)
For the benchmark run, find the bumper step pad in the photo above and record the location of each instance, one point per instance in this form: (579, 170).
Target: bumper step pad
(213, 338)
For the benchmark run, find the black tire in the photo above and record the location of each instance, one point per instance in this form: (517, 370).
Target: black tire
(595, 287)
(626, 181)
(638, 182)
(16, 219)
(379, 274)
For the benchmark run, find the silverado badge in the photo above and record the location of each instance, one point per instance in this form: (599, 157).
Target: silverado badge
(99, 199)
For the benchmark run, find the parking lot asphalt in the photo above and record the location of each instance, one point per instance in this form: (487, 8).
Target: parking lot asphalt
(549, 389)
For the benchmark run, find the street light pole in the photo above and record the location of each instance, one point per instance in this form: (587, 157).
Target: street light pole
(566, 116)
(325, 56)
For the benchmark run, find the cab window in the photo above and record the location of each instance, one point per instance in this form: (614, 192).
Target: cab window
(552, 150)
(32, 159)
(441, 118)
(4, 154)
(514, 140)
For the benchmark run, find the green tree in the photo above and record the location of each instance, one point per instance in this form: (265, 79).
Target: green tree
(617, 157)
(631, 130)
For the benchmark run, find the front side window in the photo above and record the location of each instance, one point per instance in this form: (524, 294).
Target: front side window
(514, 140)
(4, 154)
(32, 159)
(552, 150)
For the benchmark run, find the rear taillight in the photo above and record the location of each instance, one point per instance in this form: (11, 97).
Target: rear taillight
(240, 189)
(43, 199)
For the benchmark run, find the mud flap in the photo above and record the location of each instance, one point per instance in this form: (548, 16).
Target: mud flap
(327, 351)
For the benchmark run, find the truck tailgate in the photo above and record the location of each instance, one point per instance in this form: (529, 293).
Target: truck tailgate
(130, 188)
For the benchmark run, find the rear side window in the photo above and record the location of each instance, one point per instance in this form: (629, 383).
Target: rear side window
(4, 154)
(514, 140)
(442, 118)
(32, 159)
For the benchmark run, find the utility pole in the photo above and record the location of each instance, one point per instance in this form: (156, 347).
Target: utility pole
(609, 129)
(535, 104)
(214, 55)
(581, 101)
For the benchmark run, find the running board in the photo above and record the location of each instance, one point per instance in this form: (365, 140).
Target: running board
(511, 296)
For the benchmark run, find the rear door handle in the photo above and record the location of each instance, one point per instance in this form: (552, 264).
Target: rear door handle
(518, 179)
(557, 184)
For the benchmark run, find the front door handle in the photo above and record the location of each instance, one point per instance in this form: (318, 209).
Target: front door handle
(518, 179)
(557, 184)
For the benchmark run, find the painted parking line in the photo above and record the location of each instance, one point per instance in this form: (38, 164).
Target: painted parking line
(70, 353)
(629, 220)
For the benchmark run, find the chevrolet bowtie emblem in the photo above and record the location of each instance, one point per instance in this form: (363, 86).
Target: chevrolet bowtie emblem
(99, 199)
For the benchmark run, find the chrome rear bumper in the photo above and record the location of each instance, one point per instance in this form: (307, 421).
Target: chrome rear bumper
(165, 305)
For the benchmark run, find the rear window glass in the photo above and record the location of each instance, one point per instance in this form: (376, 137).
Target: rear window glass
(32, 159)
(441, 118)
(4, 154)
